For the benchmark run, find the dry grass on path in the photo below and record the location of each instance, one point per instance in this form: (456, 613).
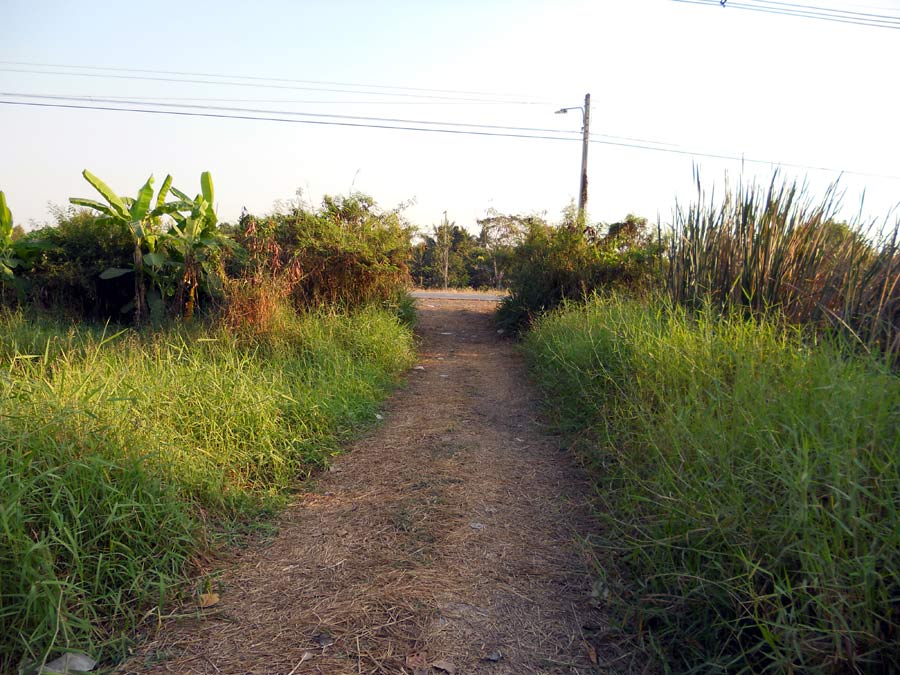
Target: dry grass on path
(446, 539)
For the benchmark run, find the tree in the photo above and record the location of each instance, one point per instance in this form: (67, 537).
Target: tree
(443, 245)
(632, 230)
(500, 234)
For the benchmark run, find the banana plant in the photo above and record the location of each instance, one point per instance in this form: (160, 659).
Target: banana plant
(8, 257)
(13, 254)
(196, 244)
(142, 222)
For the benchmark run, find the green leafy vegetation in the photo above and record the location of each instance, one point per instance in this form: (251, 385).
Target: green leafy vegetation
(347, 252)
(749, 483)
(65, 278)
(741, 421)
(128, 452)
(118, 257)
(552, 264)
(143, 224)
(15, 252)
(8, 259)
(449, 256)
(777, 250)
(125, 454)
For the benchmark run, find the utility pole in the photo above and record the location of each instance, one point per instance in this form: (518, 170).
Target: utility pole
(582, 196)
(585, 130)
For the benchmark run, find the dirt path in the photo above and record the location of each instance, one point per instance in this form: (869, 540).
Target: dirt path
(445, 538)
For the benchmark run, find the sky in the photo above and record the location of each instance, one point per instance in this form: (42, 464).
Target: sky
(673, 75)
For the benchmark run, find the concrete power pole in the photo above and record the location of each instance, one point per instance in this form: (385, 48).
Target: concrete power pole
(583, 194)
(586, 132)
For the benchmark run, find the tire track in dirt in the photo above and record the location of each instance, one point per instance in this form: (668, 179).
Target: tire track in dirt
(447, 537)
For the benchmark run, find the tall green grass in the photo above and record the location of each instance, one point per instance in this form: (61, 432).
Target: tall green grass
(750, 482)
(121, 455)
(777, 248)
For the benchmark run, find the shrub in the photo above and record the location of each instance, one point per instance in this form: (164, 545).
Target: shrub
(261, 280)
(569, 262)
(65, 277)
(14, 254)
(123, 257)
(347, 253)
(403, 306)
(177, 263)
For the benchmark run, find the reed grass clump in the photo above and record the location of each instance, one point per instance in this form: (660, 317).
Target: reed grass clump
(777, 249)
(749, 479)
(124, 454)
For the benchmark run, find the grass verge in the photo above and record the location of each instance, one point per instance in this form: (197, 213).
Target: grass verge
(750, 484)
(124, 454)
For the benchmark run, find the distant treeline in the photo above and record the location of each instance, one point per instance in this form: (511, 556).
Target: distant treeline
(450, 256)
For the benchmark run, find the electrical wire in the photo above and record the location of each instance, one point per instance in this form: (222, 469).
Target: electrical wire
(258, 111)
(831, 10)
(464, 132)
(184, 113)
(274, 79)
(786, 11)
(258, 85)
(797, 13)
(303, 101)
(146, 102)
(752, 160)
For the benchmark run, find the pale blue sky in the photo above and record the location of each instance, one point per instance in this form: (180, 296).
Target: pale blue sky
(702, 78)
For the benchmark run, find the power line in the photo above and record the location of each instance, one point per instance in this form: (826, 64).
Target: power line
(880, 7)
(272, 79)
(875, 23)
(784, 9)
(303, 101)
(257, 111)
(183, 113)
(750, 160)
(878, 23)
(821, 15)
(841, 12)
(463, 132)
(266, 86)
